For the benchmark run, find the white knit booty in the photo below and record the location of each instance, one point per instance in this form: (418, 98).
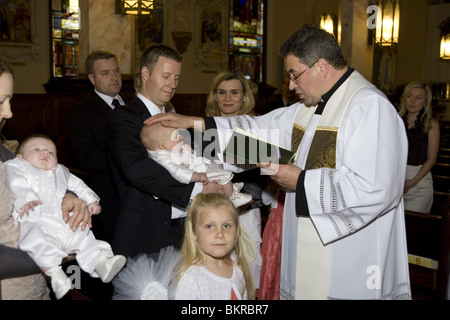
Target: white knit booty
(238, 198)
(108, 267)
(61, 283)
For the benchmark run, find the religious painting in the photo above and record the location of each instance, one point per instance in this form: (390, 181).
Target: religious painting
(151, 27)
(211, 36)
(15, 21)
(211, 40)
(246, 15)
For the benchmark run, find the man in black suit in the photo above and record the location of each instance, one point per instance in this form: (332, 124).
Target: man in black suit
(149, 219)
(87, 121)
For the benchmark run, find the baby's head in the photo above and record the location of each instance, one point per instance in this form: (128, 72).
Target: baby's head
(39, 150)
(157, 137)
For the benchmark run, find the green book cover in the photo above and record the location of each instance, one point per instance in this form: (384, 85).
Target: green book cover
(245, 148)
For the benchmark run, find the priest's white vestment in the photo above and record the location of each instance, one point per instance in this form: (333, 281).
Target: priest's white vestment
(343, 227)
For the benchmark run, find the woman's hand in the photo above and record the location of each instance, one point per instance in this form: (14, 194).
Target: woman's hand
(80, 214)
(178, 121)
(286, 175)
(408, 185)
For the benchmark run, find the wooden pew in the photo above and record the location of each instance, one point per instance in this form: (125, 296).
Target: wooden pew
(428, 237)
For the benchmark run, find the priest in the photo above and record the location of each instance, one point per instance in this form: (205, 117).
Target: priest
(343, 231)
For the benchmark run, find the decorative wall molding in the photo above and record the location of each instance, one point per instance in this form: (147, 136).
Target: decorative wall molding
(19, 38)
(12, 51)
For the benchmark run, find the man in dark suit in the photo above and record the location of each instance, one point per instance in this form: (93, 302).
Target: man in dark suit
(87, 121)
(149, 196)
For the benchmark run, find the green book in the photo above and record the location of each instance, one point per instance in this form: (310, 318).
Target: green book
(246, 148)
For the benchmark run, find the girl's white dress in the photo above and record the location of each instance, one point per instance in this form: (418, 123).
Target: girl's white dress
(147, 277)
(198, 283)
(152, 277)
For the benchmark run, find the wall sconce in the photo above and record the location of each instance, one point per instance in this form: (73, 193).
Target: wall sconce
(387, 23)
(182, 40)
(134, 7)
(328, 22)
(445, 39)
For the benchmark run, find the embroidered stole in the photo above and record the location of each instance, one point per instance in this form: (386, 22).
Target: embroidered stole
(314, 135)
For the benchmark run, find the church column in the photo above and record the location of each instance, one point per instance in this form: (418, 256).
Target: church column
(354, 35)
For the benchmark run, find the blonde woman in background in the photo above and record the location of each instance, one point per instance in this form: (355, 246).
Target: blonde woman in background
(231, 94)
(423, 145)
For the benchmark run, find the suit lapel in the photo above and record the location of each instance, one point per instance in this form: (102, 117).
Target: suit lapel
(100, 104)
(140, 107)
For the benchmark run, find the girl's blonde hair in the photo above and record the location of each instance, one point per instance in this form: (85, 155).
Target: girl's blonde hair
(426, 114)
(191, 252)
(212, 109)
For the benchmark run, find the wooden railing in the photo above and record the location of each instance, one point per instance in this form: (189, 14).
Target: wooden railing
(428, 235)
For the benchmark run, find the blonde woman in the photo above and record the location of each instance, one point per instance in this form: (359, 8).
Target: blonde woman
(215, 253)
(230, 94)
(423, 139)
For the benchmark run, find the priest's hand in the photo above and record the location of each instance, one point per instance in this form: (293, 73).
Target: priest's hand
(214, 187)
(286, 175)
(176, 120)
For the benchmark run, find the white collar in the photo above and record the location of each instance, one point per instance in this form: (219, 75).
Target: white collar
(109, 99)
(152, 108)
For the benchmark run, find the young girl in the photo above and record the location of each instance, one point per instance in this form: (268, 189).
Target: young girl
(215, 253)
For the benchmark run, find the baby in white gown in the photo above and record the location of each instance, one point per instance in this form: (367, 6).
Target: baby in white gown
(165, 146)
(38, 184)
